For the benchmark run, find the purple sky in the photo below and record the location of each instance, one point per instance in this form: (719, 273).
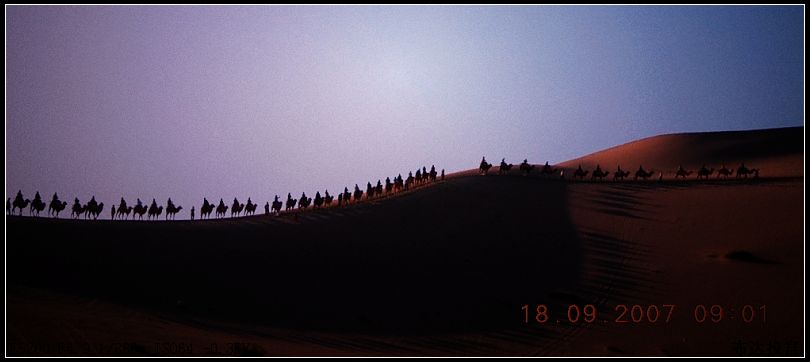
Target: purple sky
(186, 102)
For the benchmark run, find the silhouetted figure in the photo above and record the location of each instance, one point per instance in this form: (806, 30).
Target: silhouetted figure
(580, 173)
(547, 170)
(276, 205)
(526, 168)
(290, 204)
(681, 172)
(369, 191)
(504, 168)
(8, 206)
(598, 173)
(154, 210)
(139, 210)
(37, 205)
(442, 174)
(93, 208)
(640, 173)
(318, 199)
(236, 207)
(484, 167)
(725, 172)
(327, 199)
(171, 209)
(112, 212)
(619, 174)
(192, 212)
(77, 209)
(305, 201)
(56, 206)
(19, 202)
(267, 208)
(705, 172)
(743, 171)
(432, 173)
(206, 209)
(346, 196)
(357, 193)
(221, 209)
(250, 207)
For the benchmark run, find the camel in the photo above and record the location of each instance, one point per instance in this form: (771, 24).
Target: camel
(346, 196)
(370, 189)
(433, 173)
(305, 201)
(598, 173)
(172, 210)
(154, 211)
(276, 207)
(643, 174)
(139, 210)
(359, 193)
(547, 170)
(206, 209)
(56, 206)
(19, 203)
(743, 171)
(236, 207)
(93, 209)
(619, 174)
(123, 212)
(705, 172)
(725, 172)
(318, 199)
(250, 207)
(37, 205)
(290, 204)
(77, 209)
(221, 209)
(504, 168)
(526, 168)
(327, 199)
(579, 172)
(682, 172)
(484, 167)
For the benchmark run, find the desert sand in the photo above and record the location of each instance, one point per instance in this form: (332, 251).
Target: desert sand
(445, 269)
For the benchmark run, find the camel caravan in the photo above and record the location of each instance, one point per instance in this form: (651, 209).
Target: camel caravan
(122, 211)
(599, 174)
(154, 211)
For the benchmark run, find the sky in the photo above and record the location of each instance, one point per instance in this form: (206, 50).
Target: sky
(236, 101)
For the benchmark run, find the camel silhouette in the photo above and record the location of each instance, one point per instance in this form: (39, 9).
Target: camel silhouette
(619, 174)
(221, 209)
(290, 204)
(77, 209)
(267, 208)
(599, 174)
(139, 210)
(206, 209)
(56, 206)
(705, 172)
(250, 207)
(37, 205)
(123, 212)
(526, 168)
(19, 203)
(327, 198)
(171, 209)
(154, 210)
(432, 173)
(236, 207)
(318, 199)
(484, 167)
(640, 173)
(304, 202)
(358, 193)
(504, 168)
(579, 172)
(547, 170)
(276, 207)
(743, 171)
(725, 172)
(93, 208)
(682, 172)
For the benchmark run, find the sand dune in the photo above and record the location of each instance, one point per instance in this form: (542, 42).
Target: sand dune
(778, 152)
(442, 270)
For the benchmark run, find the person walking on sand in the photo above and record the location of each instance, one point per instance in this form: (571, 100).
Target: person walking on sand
(192, 213)
(112, 212)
